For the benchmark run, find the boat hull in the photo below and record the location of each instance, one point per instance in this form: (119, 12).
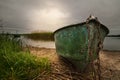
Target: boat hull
(77, 42)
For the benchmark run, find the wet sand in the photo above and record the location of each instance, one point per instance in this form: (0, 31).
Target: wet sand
(109, 60)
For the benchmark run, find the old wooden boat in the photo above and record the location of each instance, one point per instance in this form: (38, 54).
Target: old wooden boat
(80, 43)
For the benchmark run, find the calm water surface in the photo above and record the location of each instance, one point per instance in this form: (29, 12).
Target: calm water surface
(110, 43)
(45, 44)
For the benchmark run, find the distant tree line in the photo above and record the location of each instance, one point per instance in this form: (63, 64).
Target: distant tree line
(114, 35)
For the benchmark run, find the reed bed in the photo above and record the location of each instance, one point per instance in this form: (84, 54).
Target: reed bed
(45, 36)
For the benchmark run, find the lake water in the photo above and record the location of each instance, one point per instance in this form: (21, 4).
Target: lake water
(110, 43)
(46, 44)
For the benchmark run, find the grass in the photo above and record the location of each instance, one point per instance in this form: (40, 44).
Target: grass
(16, 64)
(46, 36)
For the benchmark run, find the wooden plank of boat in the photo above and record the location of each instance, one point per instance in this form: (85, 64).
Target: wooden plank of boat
(79, 43)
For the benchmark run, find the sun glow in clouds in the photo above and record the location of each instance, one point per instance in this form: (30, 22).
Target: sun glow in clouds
(48, 17)
(52, 14)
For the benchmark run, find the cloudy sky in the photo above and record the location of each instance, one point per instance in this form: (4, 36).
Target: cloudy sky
(49, 15)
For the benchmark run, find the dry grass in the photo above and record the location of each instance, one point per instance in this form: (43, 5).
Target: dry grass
(60, 70)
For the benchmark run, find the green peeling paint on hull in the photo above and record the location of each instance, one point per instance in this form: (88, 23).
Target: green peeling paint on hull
(72, 42)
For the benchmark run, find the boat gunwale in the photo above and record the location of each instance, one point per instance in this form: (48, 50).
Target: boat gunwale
(82, 23)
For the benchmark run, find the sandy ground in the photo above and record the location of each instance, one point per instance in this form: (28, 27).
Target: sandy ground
(110, 63)
(109, 60)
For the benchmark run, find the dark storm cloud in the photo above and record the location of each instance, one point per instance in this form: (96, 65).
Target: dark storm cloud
(16, 12)
(107, 11)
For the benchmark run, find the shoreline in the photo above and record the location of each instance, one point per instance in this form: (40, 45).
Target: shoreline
(55, 49)
(109, 62)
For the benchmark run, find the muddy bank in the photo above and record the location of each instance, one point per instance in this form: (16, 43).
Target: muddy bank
(109, 61)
